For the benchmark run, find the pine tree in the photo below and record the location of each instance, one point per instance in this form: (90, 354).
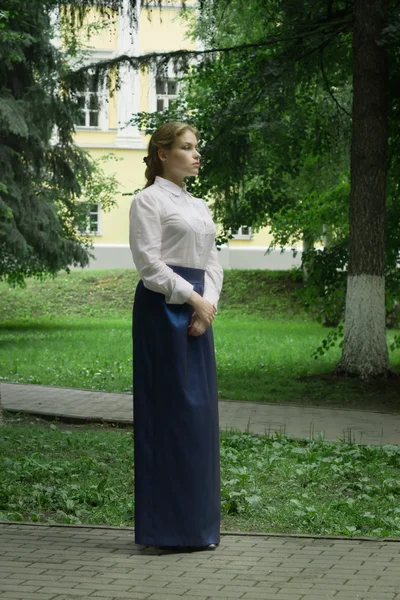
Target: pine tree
(39, 179)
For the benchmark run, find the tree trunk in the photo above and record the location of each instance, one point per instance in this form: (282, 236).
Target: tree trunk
(327, 236)
(308, 243)
(365, 352)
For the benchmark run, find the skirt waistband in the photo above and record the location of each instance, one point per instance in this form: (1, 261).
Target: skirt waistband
(189, 273)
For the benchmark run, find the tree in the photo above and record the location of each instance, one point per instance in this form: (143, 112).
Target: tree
(42, 176)
(365, 350)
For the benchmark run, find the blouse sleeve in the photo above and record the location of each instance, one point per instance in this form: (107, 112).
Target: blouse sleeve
(214, 274)
(213, 278)
(145, 234)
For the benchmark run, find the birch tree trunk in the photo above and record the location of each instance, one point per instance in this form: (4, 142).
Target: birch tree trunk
(365, 352)
(327, 236)
(308, 243)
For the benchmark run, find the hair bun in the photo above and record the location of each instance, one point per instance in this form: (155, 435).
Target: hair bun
(145, 159)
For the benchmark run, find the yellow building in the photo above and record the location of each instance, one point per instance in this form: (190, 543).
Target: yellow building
(102, 129)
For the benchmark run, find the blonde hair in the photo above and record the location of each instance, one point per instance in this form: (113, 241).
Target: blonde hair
(163, 137)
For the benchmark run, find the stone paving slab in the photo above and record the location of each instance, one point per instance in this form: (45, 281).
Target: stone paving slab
(361, 427)
(42, 562)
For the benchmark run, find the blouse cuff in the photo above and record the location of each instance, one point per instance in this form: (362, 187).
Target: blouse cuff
(181, 292)
(211, 295)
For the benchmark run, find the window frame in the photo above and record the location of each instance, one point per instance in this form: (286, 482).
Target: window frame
(153, 77)
(87, 94)
(167, 98)
(102, 96)
(243, 236)
(88, 231)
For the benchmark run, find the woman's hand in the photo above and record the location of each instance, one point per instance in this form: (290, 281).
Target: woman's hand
(197, 326)
(203, 308)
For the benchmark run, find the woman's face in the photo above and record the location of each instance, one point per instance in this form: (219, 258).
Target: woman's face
(183, 159)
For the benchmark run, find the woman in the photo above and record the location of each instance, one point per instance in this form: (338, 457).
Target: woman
(176, 432)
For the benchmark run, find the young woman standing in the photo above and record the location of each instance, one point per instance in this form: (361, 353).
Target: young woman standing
(176, 432)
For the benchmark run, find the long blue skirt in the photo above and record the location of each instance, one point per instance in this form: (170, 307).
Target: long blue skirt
(176, 431)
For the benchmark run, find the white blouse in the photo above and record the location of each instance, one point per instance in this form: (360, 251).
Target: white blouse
(168, 225)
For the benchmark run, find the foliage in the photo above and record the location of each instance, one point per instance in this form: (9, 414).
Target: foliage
(326, 282)
(333, 338)
(326, 485)
(54, 474)
(67, 477)
(100, 189)
(43, 173)
(33, 238)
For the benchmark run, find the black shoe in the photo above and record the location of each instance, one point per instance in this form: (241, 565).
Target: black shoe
(200, 548)
(172, 548)
(210, 547)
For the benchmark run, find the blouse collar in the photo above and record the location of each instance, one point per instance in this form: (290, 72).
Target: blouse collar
(177, 190)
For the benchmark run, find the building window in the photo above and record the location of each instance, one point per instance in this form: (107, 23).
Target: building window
(89, 105)
(92, 226)
(242, 233)
(166, 91)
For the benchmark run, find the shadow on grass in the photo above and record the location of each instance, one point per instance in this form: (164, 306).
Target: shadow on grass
(381, 395)
(89, 325)
(322, 390)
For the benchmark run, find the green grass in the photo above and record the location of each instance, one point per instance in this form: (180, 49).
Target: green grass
(84, 353)
(272, 294)
(75, 331)
(62, 474)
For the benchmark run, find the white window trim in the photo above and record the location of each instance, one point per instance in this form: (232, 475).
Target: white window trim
(167, 98)
(243, 236)
(87, 94)
(97, 56)
(152, 84)
(88, 232)
(174, 5)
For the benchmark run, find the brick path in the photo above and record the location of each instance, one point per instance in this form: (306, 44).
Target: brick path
(297, 421)
(74, 563)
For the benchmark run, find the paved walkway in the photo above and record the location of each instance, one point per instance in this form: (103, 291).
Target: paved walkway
(300, 422)
(77, 563)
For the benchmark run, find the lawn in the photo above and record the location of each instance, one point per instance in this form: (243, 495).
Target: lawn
(63, 474)
(75, 331)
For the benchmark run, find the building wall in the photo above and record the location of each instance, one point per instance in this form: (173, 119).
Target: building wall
(106, 38)
(118, 256)
(163, 31)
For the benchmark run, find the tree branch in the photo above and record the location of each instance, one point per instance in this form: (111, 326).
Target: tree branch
(245, 105)
(146, 59)
(327, 84)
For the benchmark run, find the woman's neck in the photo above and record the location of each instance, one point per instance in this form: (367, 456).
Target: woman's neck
(177, 180)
